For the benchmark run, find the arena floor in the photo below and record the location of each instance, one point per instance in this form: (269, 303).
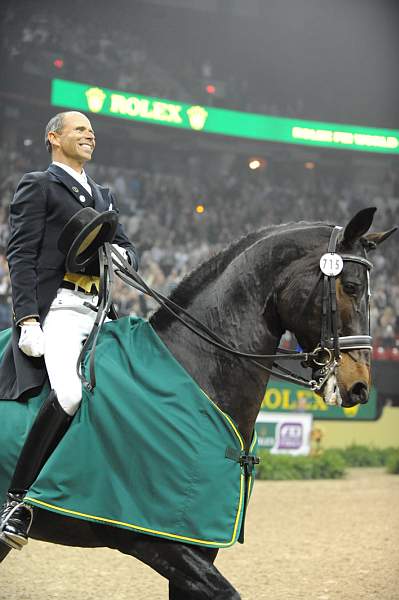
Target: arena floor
(313, 540)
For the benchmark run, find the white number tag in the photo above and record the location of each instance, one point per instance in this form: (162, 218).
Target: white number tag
(331, 264)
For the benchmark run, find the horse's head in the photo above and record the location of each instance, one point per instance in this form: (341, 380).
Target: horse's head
(332, 310)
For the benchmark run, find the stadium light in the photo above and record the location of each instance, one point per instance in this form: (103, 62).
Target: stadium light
(257, 163)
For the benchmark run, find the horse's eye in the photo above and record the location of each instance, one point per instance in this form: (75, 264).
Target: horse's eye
(350, 288)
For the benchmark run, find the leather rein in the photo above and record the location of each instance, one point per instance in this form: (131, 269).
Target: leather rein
(324, 358)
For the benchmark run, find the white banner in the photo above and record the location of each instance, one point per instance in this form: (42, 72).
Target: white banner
(283, 433)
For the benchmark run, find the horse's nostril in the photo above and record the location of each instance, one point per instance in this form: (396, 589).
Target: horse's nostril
(359, 393)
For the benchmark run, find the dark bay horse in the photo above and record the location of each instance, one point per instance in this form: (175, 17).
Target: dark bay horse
(249, 294)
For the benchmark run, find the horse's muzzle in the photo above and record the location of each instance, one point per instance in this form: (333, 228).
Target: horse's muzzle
(358, 393)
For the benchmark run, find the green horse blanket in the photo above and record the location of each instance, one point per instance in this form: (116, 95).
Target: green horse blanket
(147, 451)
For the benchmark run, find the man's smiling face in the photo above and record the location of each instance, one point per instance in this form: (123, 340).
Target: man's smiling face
(75, 144)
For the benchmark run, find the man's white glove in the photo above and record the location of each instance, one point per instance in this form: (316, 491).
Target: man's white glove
(121, 251)
(31, 340)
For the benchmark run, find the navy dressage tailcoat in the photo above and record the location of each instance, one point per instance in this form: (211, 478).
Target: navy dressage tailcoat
(43, 203)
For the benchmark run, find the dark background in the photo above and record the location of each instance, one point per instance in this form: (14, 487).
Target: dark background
(334, 61)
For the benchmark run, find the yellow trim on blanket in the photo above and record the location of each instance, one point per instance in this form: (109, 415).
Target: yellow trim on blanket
(254, 440)
(242, 484)
(145, 529)
(226, 416)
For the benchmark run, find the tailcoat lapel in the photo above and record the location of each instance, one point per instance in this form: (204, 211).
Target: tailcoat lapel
(99, 202)
(80, 194)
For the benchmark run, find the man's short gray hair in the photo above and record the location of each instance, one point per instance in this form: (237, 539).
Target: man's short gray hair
(56, 124)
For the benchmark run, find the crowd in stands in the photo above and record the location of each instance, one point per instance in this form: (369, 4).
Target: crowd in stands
(175, 52)
(124, 58)
(159, 204)
(159, 213)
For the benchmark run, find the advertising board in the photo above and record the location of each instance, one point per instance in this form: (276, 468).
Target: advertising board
(283, 433)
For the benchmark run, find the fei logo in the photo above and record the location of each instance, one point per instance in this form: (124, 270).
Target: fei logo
(290, 436)
(283, 433)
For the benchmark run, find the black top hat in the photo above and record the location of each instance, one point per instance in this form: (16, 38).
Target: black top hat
(84, 234)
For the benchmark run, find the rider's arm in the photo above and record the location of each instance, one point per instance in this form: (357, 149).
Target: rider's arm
(27, 225)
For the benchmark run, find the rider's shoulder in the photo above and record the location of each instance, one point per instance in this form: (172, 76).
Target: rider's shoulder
(34, 176)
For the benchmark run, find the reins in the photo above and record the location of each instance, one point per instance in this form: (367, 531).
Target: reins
(132, 278)
(323, 357)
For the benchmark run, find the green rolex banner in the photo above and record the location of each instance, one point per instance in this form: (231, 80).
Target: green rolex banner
(147, 451)
(165, 112)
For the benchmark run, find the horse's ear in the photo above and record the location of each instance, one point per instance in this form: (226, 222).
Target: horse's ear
(358, 225)
(371, 240)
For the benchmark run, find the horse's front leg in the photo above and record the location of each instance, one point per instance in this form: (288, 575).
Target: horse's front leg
(192, 574)
(189, 569)
(210, 582)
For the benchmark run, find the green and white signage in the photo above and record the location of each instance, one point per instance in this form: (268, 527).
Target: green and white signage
(281, 433)
(285, 397)
(159, 111)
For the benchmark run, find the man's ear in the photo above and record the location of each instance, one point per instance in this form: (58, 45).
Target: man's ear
(52, 137)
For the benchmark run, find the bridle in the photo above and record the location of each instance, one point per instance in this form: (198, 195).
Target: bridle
(324, 359)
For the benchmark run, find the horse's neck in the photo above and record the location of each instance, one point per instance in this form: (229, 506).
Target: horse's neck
(232, 307)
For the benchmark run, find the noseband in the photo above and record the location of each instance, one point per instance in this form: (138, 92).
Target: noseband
(324, 359)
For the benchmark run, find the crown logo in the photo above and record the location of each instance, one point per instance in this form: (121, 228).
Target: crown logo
(95, 99)
(352, 410)
(197, 117)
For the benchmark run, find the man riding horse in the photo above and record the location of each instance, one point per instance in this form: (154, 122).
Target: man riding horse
(51, 318)
(238, 305)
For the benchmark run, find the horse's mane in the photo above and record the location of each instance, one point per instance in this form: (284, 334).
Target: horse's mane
(212, 267)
